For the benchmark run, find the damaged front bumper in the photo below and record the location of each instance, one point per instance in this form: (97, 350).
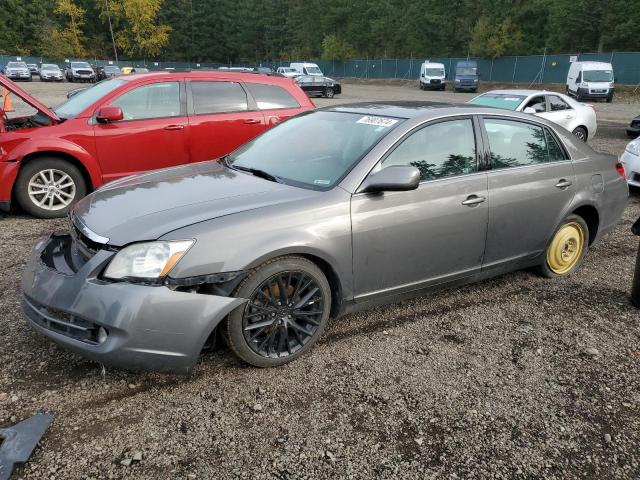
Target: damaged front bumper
(126, 325)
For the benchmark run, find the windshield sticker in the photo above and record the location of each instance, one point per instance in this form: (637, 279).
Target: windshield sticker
(322, 182)
(378, 121)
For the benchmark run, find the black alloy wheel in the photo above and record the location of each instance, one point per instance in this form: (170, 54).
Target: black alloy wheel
(288, 305)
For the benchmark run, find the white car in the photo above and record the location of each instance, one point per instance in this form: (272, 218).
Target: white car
(578, 118)
(288, 72)
(631, 161)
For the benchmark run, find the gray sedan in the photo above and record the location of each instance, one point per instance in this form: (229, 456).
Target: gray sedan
(331, 211)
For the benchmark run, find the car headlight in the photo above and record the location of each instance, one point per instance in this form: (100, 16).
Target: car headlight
(633, 148)
(148, 261)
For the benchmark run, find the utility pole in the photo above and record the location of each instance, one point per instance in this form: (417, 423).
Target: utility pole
(113, 40)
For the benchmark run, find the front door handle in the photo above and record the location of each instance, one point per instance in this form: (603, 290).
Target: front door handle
(563, 183)
(252, 121)
(473, 200)
(174, 127)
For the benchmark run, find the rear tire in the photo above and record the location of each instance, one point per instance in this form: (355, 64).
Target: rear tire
(288, 309)
(581, 133)
(566, 249)
(48, 187)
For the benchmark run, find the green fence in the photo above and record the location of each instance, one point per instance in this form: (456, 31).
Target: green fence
(530, 69)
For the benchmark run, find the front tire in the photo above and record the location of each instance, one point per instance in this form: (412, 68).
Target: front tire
(288, 308)
(48, 187)
(566, 250)
(329, 92)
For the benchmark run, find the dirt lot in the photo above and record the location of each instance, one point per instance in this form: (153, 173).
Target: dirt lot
(518, 377)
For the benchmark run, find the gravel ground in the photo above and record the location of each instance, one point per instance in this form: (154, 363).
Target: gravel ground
(517, 377)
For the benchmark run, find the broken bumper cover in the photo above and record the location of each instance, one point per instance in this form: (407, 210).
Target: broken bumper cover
(137, 327)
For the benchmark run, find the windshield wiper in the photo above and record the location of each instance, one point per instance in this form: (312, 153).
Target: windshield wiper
(258, 173)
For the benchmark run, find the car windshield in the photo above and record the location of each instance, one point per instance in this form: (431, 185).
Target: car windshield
(466, 71)
(434, 72)
(314, 70)
(16, 65)
(81, 100)
(499, 100)
(597, 76)
(49, 67)
(80, 65)
(291, 153)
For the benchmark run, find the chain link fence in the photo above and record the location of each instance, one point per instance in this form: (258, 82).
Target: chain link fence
(530, 69)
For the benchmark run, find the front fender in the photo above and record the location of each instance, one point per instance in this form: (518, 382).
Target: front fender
(63, 147)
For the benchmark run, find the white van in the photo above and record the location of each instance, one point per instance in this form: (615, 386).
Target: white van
(590, 80)
(432, 76)
(288, 72)
(307, 68)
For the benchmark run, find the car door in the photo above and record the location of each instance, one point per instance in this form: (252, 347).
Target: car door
(221, 118)
(531, 184)
(559, 112)
(405, 240)
(151, 135)
(273, 101)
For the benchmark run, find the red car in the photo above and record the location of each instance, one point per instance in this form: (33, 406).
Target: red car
(130, 125)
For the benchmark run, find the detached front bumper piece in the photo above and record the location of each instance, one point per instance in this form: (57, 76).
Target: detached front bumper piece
(131, 326)
(18, 442)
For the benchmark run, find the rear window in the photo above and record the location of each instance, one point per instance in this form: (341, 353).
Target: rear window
(271, 96)
(218, 97)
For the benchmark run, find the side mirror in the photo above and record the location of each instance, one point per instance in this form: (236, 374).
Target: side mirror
(109, 114)
(530, 110)
(391, 179)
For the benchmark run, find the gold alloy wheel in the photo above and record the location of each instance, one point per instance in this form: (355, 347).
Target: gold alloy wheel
(566, 248)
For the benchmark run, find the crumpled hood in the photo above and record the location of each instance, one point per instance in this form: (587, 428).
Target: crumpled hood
(147, 206)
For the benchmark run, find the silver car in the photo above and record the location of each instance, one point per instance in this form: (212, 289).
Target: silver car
(332, 211)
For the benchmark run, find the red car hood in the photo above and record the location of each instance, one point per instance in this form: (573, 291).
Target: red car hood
(16, 90)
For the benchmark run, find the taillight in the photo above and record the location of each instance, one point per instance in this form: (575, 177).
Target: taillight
(620, 169)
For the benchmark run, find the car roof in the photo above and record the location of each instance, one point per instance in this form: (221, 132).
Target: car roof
(594, 64)
(413, 109)
(523, 91)
(243, 76)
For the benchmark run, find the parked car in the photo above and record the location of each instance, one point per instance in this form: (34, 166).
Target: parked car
(265, 70)
(578, 118)
(631, 161)
(318, 85)
(633, 130)
(288, 72)
(131, 124)
(50, 72)
(33, 68)
(466, 76)
(80, 72)
(592, 80)
(306, 68)
(268, 243)
(107, 71)
(139, 70)
(432, 76)
(18, 71)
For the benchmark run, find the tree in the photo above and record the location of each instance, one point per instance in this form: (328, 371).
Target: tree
(67, 38)
(489, 40)
(138, 32)
(335, 49)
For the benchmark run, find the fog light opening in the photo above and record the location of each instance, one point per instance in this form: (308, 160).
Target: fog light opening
(102, 335)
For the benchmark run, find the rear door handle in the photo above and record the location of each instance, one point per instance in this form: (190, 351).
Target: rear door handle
(563, 183)
(252, 121)
(174, 127)
(473, 200)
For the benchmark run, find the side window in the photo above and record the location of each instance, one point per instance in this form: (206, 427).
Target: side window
(556, 104)
(539, 104)
(218, 97)
(271, 96)
(556, 152)
(515, 144)
(158, 100)
(445, 149)
(579, 77)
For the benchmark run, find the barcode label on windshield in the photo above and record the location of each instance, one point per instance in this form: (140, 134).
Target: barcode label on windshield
(378, 121)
